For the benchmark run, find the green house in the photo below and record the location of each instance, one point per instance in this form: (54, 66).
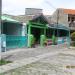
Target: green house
(40, 29)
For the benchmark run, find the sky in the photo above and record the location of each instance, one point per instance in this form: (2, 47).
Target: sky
(17, 7)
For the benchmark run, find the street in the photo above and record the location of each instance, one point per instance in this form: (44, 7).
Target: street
(19, 54)
(61, 62)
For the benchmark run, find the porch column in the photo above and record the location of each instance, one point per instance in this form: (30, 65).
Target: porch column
(45, 31)
(29, 28)
(68, 39)
(53, 36)
(29, 32)
(23, 30)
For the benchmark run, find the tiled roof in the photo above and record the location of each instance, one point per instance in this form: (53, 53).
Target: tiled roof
(69, 11)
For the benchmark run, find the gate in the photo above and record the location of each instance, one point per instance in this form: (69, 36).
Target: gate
(13, 41)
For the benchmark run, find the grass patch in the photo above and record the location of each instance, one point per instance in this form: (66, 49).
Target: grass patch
(3, 62)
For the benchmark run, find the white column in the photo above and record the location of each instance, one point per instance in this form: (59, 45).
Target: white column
(23, 29)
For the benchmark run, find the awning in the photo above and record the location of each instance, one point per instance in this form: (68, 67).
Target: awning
(58, 26)
(4, 18)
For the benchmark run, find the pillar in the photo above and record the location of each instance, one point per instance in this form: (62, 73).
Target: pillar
(45, 31)
(68, 39)
(53, 36)
(0, 14)
(29, 32)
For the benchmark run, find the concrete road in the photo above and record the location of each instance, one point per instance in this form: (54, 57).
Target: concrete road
(19, 54)
(61, 63)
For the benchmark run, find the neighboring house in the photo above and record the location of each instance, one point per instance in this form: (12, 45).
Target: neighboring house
(14, 33)
(33, 11)
(65, 17)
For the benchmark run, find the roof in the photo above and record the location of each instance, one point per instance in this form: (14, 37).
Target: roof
(69, 11)
(45, 20)
(8, 19)
(42, 18)
(59, 26)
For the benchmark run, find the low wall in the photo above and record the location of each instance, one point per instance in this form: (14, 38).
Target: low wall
(16, 41)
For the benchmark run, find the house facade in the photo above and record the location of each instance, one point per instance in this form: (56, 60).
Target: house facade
(65, 17)
(43, 32)
(37, 31)
(34, 29)
(13, 34)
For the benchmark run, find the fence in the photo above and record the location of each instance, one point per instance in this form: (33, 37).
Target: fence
(13, 41)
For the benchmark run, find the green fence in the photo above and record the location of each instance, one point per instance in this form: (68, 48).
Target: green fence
(13, 41)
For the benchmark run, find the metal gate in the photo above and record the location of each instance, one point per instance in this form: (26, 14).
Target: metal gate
(13, 41)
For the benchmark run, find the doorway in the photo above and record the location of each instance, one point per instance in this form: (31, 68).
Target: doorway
(36, 32)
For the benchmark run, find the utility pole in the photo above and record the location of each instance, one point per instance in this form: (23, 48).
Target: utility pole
(0, 14)
(57, 24)
(0, 24)
(57, 17)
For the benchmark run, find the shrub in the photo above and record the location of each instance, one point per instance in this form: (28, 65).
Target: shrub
(73, 36)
